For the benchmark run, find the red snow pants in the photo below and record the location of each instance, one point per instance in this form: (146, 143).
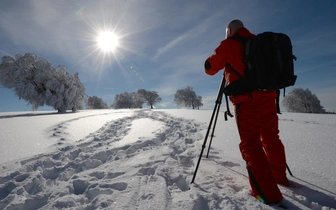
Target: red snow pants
(261, 147)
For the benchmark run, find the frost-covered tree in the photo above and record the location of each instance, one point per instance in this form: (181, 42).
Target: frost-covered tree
(303, 101)
(79, 92)
(35, 80)
(127, 100)
(149, 97)
(187, 98)
(93, 102)
(198, 102)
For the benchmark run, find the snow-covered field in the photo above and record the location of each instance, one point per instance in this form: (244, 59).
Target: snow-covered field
(145, 159)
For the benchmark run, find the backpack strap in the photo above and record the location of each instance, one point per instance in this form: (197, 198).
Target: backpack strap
(243, 41)
(239, 38)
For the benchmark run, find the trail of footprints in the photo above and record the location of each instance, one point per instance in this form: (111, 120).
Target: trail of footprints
(94, 174)
(77, 174)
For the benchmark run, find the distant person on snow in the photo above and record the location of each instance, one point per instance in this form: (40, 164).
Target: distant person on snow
(256, 118)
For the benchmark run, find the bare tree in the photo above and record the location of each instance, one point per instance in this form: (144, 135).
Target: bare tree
(149, 97)
(303, 101)
(187, 98)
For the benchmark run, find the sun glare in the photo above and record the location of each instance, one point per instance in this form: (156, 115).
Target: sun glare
(107, 41)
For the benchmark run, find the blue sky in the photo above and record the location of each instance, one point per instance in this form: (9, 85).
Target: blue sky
(163, 43)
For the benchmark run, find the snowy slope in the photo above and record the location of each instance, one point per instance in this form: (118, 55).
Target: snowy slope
(143, 159)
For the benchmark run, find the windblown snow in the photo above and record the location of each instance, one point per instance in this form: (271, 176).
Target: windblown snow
(145, 159)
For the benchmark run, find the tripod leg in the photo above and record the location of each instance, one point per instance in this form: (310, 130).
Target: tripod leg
(217, 105)
(214, 127)
(289, 171)
(204, 144)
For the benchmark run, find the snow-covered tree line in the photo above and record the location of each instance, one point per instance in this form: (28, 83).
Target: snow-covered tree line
(302, 101)
(187, 98)
(136, 99)
(183, 97)
(35, 80)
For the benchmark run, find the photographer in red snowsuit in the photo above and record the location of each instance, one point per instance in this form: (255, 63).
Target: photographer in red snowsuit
(256, 118)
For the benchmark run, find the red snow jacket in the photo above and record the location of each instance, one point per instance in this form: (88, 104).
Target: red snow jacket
(230, 54)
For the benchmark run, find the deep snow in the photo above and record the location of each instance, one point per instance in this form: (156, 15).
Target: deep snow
(145, 159)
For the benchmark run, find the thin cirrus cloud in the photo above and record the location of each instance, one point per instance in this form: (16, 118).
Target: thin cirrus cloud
(190, 36)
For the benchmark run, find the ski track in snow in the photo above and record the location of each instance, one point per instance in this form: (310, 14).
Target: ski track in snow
(150, 173)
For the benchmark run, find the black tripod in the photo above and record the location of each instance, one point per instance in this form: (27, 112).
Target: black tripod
(214, 118)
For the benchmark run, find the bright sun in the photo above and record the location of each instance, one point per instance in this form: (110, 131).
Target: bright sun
(107, 41)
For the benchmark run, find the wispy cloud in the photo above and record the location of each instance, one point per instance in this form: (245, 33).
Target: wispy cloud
(169, 46)
(181, 40)
(316, 67)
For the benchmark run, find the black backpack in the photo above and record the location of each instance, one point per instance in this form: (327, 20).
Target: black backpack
(269, 60)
